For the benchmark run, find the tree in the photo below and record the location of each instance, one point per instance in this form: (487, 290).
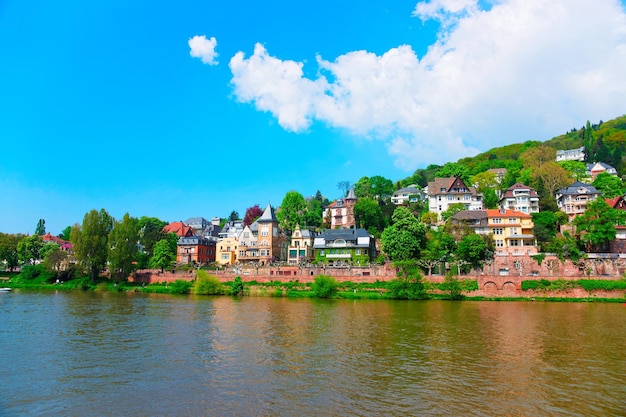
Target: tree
(54, 259)
(484, 181)
(344, 187)
(375, 187)
(233, 216)
(596, 226)
(408, 285)
(292, 211)
(91, 241)
(577, 169)
(29, 249)
(490, 198)
(405, 238)
(8, 249)
(325, 287)
(553, 176)
(65, 233)
(546, 225)
(41, 227)
(252, 213)
(369, 215)
(473, 249)
(164, 254)
(537, 156)
(123, 250)
(452, 210)
(314, 212)
(608, 185)
(150, 232)
(454, 169)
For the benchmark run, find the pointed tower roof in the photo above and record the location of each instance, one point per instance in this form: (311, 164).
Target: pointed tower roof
(268, 215)
(351, 194)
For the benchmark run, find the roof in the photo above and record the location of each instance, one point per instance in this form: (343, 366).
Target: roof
(464, 215)
(345, 234)
(180, 228)
(616, 202)
(410, 189)
(435, 187)
(351, 194)
(575, 188)
(506, 213)
(268, 215)
(518, 186)
(195, 240)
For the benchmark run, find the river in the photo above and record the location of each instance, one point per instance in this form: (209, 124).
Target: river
(108, 354)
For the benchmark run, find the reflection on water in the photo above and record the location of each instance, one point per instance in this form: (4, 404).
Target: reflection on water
(77, 354)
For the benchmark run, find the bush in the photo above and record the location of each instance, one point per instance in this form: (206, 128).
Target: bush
(206, 284)
(325, 286)
(452, 286)
(32, 272)
(180, 287)
(236, 287)
(411, 288)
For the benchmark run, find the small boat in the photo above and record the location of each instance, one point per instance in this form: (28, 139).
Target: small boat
(5, 289)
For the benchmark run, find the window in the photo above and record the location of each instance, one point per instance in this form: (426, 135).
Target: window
(450, 197)
(246, 234)
(224, 256)
(242, 253)
(514, 242)
(499, 243)
(467, 197)
(265, 231)
(512, 220)
(512, 230)
(265, 252)
(358, 251)
(264, 243)
(496, 221)
(498, 231)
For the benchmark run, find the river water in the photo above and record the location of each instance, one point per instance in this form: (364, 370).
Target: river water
(105, 354)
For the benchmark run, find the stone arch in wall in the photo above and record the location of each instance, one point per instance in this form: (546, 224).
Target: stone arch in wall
(490, 286)
(509, 287)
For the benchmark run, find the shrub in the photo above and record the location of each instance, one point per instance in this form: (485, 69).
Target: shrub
(452, 286)
(180, 287)
(236, 287)
(206, 284)
(325, 286)
(410, 288)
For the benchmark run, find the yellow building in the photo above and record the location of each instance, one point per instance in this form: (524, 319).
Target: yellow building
(512, 231)
(226, 251)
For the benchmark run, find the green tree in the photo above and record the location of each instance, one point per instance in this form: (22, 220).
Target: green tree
(206, 284)
(596, 226)
(164, 254)
(577, 169)
(65, 233)
(150, 232)
(369, 215)
(536, 157)
(405, 238)
(292, 211)
(375, 187)
(553, 176)
(236, 287)
(408, 285)
(54, 259)
(91, 241)
(609, 185)
(123, 249)
(314, 212)
(473, 249)
(233, 216)
(454, 169)
(546, 226)
(490, 198)
(41, 227)
(29, 249)
(452, 210)
(8, 250)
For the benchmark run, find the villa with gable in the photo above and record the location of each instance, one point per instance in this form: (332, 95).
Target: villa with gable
(444, 192)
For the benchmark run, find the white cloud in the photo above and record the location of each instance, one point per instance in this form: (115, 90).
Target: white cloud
(522, 70)
(203, 48)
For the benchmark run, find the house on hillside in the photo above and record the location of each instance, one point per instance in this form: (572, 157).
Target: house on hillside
(577, 154)
(179, 228)
(263, 241)
(520, 197)
(205, 228)
(406, 195)
(512, 231)
(301, 247)
(231, 228)
(226, 251)
(195, 250)
(344, 247)
(443, 192)
(341, 211)
(599, 167)
(573, 200)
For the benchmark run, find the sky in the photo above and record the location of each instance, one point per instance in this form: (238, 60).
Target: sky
(198, 108)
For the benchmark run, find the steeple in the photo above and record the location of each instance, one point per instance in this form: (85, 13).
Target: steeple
(351, 195)
(268, 216)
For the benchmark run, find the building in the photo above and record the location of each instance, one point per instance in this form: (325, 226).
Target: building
(301, 247)
(599, 167)
(205, 228)
(344, 247)
(195, 250)
(341, 211)
(226, 251)
(231, 228)
(577, 154)
(499, 173)
(512, 231)
(520, 197)
(406, 195)
(179, 228)
(444, 192)
(263, 241)
(573, 200)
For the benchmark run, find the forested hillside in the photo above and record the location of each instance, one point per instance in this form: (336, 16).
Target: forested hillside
(604, 142)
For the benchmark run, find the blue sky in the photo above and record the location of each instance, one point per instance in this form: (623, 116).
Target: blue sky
(196, 108)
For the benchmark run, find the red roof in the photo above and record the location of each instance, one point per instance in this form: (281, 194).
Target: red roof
(54, 239)
(505, 213)
(180, 228)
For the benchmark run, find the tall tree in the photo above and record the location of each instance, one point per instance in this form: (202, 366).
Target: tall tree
(252, 213)
(233, 216)
(537, 156)
(123, 251)
(164, 254)
(369, 215)
(65, 233)
(405, 238)
(344, 187)
(8, 249)
(375, 187)
(41, 227)
(150, 232)
(553, 176)
(91, 241)
(454, 169)
(473, 249)
(29, 249)
(314, 212)
(292, 211)
(596, 226)
(609, 185)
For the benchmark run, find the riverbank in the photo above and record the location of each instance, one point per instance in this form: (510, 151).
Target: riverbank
(467, 288)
